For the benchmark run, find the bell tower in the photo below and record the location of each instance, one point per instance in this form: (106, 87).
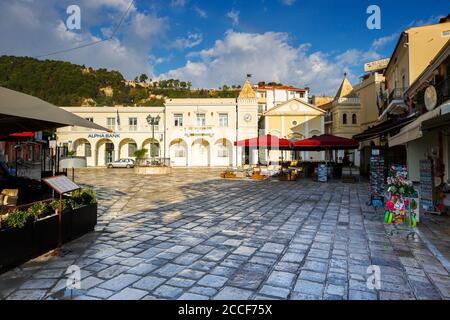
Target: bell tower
(247, 123)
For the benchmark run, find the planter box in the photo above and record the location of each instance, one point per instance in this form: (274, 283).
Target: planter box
(16, 246)
(36, 238)
(83, 220)
(45, 234)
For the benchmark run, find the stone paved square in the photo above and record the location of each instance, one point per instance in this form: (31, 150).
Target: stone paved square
(192, 235)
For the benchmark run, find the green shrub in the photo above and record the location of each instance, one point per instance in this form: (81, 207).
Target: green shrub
(84, 197)
(17, 219)
(39, 210)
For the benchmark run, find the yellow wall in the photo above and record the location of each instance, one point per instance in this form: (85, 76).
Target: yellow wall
(415, 52)
(367, 91)
(424, 43)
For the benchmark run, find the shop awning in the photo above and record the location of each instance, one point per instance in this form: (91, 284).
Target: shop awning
(442, 121)
(412, 131)
(21, 112)
(267, 141)
(382, 128)
(325, 142)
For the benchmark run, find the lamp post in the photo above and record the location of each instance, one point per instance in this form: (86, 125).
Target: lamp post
(153, 121)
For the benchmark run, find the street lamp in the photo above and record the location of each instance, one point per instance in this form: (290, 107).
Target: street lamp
(153, 121)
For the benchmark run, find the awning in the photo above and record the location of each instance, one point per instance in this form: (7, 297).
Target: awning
(437, 122)
(325, 142)
(267, 141)
(21, 112)
(382, 128)
(412, 131)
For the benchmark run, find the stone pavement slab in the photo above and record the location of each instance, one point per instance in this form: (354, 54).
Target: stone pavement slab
(193, 235)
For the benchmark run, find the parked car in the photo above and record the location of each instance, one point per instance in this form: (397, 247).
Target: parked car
(121, 163)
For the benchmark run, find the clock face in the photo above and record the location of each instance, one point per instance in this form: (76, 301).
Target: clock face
(430, 98)
(247, 117)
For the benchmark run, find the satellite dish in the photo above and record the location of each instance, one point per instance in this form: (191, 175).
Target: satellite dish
(430, 98)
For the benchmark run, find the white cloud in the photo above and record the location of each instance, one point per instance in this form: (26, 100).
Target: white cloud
(178, 3)
(381, 42)
(192, 40)
(270, 57)
(38, 28)
(200, 12)
(288, 2)
(234, 16)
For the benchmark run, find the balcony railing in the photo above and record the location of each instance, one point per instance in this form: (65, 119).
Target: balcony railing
(199, 130)
(396, 94)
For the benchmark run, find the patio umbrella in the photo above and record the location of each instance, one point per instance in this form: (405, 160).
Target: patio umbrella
(21, 112)
(267, 141)
(324, 142)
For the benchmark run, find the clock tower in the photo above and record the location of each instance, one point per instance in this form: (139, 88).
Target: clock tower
(247, 123)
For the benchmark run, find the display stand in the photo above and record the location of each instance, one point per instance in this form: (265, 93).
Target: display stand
(61, 185)
(427, 188)
(377, 183)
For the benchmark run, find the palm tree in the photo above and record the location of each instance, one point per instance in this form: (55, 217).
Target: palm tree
(140, 155)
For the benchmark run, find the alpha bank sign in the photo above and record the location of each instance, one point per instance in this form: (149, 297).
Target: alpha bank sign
(104, 135)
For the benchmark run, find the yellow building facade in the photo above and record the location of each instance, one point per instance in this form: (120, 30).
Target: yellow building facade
(415, 49)
(294, 119)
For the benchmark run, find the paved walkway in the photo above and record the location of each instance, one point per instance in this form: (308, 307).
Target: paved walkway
(193, 235)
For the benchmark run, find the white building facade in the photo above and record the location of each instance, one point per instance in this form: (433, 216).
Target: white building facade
(190, 132)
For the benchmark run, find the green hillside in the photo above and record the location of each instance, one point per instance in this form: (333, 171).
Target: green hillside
(66, 84)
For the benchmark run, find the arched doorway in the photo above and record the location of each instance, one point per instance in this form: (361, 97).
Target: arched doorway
(105, 152)
(223, 154)
(200, 156)
(178, 152)
(82, 148)
(153, 147)
(127, 147)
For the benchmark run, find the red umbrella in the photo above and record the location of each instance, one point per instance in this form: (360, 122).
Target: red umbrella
(267, 141)
(22, 134)
(325, 142)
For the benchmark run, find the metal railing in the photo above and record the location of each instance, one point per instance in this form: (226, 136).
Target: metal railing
(396, 94)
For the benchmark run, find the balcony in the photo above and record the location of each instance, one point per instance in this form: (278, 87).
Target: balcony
(199, 131)
(394, 102)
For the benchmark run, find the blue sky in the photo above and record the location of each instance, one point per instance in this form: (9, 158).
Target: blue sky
(297, 42)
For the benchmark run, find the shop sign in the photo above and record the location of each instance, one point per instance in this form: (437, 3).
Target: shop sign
(430, 98)
(103, 135)
(376, 65)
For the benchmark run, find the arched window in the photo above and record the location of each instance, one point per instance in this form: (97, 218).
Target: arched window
(344, 118)
(354, 119)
